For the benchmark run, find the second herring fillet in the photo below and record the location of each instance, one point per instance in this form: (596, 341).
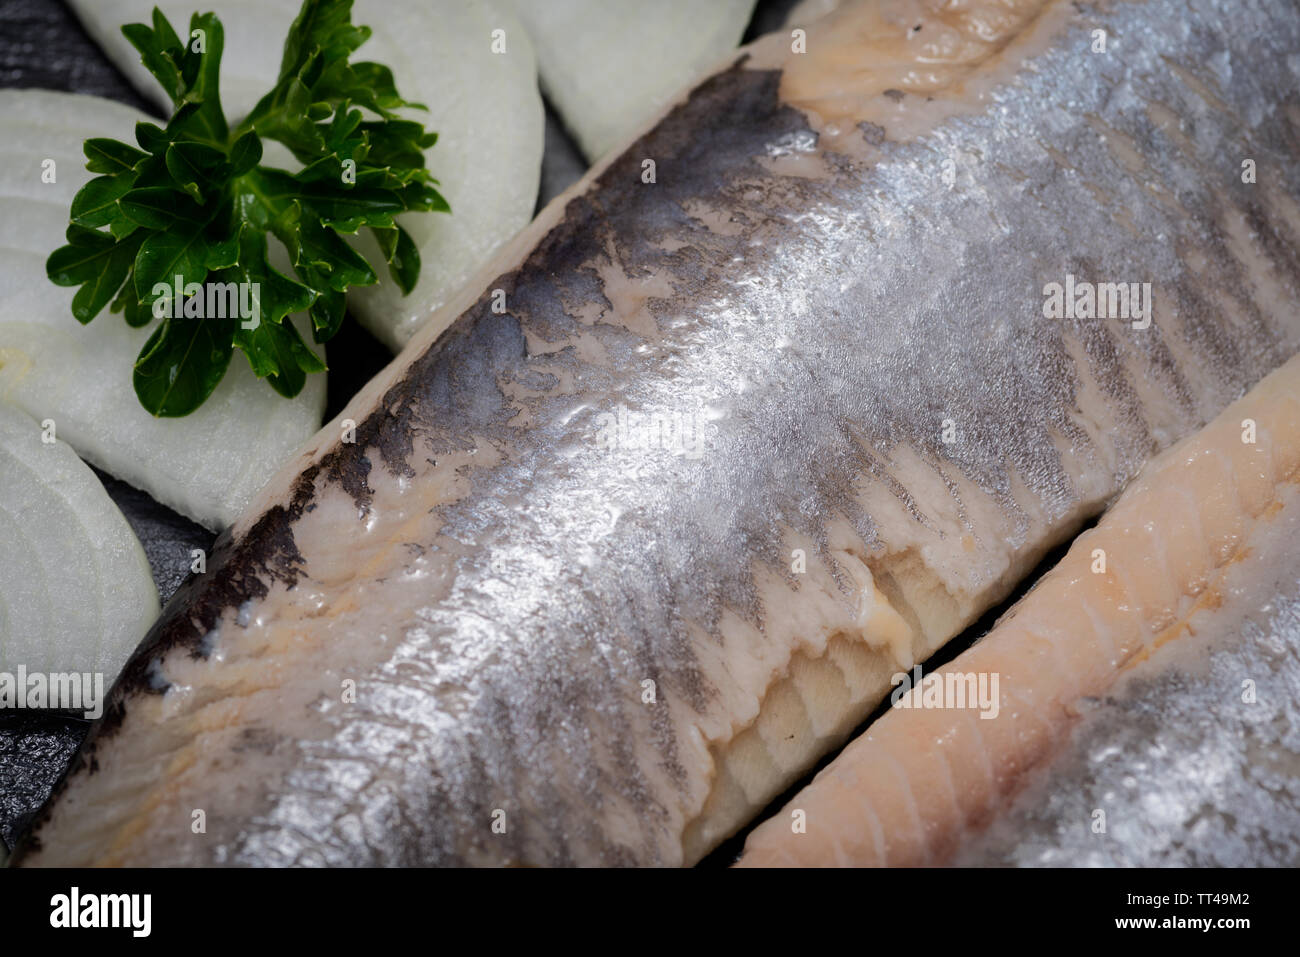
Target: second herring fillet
(910, 790)
(603, 573)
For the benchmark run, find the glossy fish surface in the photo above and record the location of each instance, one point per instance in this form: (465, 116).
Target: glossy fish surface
(766, 409)
(1199, 551)
(1192, 758)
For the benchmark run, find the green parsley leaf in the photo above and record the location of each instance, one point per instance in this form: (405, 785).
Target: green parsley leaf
(181, 364)
(178, 225)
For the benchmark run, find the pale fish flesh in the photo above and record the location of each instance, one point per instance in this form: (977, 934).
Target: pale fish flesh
(1202, 541)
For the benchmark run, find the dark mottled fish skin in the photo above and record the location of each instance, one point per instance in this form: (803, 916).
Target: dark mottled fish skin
(498, 587)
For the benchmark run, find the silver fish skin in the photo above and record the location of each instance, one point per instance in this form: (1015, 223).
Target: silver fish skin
(721, 443)
(1193, 756)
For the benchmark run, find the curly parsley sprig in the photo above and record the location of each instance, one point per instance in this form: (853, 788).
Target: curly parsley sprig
(193, 201)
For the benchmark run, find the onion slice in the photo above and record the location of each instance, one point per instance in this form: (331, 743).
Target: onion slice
(76, 594)
(610, 66)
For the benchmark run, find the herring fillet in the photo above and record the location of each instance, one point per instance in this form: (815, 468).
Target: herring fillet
(910, 790)
(484, 106)
(1192, 754)
(208, 465)
(605, 572)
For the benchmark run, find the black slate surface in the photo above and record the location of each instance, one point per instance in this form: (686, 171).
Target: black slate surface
(43, 45)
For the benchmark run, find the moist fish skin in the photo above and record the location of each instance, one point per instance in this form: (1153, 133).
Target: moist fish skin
(1189, 771)
(499, 587)
(1202, 540)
